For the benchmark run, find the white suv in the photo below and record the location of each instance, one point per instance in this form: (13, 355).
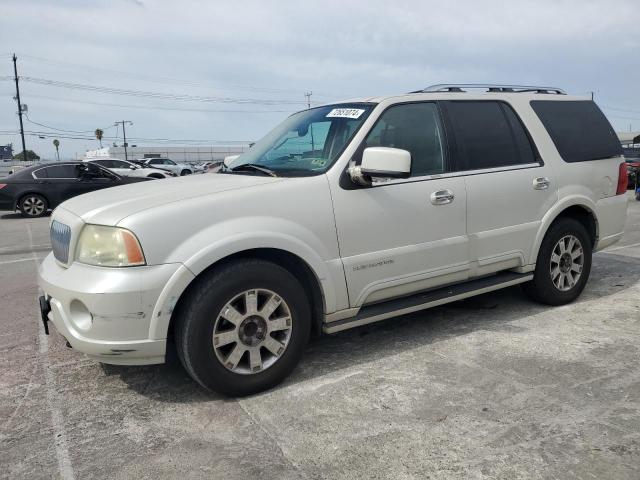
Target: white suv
(343, 215)
(181, 169)
(128, 169)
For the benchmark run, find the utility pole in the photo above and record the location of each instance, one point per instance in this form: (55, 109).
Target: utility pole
(15, 76)
(124, 135)
(308, 95)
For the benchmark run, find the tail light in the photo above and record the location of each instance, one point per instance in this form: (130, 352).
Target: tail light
(2, 185)
(623, 179)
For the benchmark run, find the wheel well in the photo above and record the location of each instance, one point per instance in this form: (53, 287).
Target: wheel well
(155, 175)
(294, 264)
(21, 197)
(585, 217)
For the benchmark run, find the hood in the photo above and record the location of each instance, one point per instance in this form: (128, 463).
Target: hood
(111, 205)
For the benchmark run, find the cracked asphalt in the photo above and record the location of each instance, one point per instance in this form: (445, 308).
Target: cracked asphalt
(491, 387)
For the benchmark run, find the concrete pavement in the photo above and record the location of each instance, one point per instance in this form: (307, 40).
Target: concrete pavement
(491, 387)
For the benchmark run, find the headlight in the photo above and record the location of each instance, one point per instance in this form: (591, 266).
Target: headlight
(109, 247)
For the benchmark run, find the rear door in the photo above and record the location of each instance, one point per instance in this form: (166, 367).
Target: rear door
(60, 182)
(509, 187)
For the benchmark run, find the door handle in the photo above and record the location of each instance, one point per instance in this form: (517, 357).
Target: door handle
(442, 197)
(541, 183)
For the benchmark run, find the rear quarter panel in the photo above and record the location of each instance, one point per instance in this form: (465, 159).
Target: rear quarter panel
(590, 184)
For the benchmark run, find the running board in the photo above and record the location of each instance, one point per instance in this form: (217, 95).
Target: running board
(431, 298)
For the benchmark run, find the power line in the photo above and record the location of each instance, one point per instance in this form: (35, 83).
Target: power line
(155, 95)
(154, 107)
(619, 109)
(156, 79)
(138, 139)
(62, 129)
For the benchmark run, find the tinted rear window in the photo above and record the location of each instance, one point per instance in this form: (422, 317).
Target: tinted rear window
(488, 134)
(57, 171)
(579, 129)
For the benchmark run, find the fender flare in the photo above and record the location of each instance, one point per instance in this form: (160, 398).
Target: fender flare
(224, 248)
(554, 212)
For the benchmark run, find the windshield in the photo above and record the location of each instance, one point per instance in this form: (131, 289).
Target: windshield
(307, 142)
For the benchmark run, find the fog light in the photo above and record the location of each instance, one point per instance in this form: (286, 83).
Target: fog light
(80, 315)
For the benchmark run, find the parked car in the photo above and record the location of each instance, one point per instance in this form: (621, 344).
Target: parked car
(199, 167)
(212, 167)
(15, 168)
(167, 164)
(35, 190)
(129, 169)
(633, 166)
(345, 214)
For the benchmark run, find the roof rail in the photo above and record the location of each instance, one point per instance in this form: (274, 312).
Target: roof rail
(489, 87)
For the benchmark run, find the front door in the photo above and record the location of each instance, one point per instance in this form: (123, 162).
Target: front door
(402, 236)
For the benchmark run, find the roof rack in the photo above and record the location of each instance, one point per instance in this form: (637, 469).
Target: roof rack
(490, 88)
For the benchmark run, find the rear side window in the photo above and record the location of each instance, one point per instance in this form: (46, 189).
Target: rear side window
(579, 129)
(57, 171)
(487, 134)
(414, 127)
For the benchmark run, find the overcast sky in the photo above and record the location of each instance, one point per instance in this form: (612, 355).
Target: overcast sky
(242, 66)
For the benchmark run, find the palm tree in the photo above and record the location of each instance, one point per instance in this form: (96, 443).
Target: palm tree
(99, 134)
(56, 143)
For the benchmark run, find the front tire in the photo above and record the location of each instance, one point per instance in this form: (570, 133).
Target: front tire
(185, 172)
(243, 327)
(33, 205)
(563, 264)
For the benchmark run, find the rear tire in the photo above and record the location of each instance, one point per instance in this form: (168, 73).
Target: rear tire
(563, 264)
(227, 337)
(33, 205)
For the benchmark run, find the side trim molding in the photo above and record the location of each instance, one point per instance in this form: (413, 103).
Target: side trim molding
(428, 299)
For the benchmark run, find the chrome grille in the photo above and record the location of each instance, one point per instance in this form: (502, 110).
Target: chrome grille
(60, 237)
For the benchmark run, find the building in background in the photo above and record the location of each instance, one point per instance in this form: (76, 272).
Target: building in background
(628, 139)
(6, 152)
(177, 154)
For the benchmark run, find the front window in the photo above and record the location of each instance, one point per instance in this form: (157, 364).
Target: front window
(307, 142)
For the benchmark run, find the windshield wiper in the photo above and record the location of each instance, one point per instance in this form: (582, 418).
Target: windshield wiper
(253, 166)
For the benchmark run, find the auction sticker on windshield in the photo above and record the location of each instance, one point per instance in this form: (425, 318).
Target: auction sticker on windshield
(345, 113)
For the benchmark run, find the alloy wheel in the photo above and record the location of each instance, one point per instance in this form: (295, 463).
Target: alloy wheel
(33, 206)
(252, 331)
(567, 262)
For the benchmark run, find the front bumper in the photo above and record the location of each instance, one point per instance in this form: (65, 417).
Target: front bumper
(107, 313)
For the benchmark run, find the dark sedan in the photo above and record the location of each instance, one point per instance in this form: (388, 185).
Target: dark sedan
(36, 189)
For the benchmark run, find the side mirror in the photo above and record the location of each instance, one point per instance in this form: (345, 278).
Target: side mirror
(132, 167)
(383, 163)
